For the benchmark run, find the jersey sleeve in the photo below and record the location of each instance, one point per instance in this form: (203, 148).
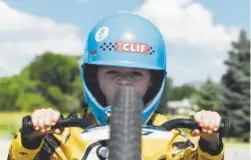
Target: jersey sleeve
(19, 151)
(205, 152)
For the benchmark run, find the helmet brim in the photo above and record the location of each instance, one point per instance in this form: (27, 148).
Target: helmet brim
(125, 64)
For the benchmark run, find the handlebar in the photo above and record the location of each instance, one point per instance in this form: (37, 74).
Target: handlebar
(224, 129)
(61, 123)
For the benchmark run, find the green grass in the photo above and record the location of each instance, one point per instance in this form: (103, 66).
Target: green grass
(236, 143)
(10, 122)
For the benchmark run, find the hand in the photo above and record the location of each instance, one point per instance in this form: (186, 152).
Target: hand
(44, 119)
(209, 121)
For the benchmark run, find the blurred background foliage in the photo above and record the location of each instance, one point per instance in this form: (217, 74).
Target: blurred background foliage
(53, 80)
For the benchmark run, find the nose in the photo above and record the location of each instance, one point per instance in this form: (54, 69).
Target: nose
(124, 82)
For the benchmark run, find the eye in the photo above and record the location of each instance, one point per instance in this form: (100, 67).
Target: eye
(137, 74)
(111, 72)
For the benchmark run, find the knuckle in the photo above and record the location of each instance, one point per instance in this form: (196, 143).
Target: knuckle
(57, 112)
(36, 112)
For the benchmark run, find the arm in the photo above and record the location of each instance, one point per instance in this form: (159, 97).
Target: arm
(210, 144)
(23, 148)
(27, 144)
(210, 150)
(182, 146)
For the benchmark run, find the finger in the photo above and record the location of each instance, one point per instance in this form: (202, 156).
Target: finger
(209, 121)
(205, 124)
(43, 115)
(207, 118)
(40, 120)
(55, 116)
(34, 119)
(217, 122)
(198, 119)
(195, 132)
(209, 131)
(211, 124)
(47, 119)
(57, 131)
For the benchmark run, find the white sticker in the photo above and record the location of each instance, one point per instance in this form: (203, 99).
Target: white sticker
(101, 34)
(103, 133)
(97, 133)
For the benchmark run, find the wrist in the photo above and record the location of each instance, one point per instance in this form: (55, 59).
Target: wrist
(30, 141)
(211, 146)
(212, 138)
(29, 138)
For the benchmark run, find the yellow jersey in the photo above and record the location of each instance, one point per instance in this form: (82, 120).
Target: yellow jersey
(91, 144)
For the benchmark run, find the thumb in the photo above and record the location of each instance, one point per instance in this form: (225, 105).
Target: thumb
(195, 132)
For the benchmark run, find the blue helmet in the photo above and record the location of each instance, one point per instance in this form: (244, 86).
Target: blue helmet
(123, 40)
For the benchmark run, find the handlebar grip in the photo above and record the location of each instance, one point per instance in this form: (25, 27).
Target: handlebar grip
(62, 122)
(27, 125)
(225, 127)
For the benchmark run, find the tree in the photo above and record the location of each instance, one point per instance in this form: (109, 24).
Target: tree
(208, 96)
(31, 101)
(181, 92)
(58, 76)
(8, 93)
(236, 87)
(51, 80)
(55, 69)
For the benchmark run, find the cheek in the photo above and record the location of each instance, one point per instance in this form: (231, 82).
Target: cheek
(106, 88)
(102, 82)
(142, 87)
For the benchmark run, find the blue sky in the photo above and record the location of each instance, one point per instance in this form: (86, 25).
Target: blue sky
(191, 57)
(84, 13)
(230, 12)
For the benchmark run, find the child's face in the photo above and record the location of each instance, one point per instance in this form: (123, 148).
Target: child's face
(109, 78)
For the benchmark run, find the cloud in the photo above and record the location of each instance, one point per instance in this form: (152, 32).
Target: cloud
(218, 62)
(187, 22)
(196, 45)
(186, 70)
(186, 64)
(23, 36)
